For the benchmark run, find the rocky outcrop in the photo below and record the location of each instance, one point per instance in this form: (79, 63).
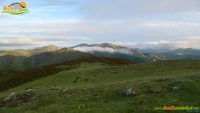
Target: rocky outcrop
(17, 99)
(129, 92)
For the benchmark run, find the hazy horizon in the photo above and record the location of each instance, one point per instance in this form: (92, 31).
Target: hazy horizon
(164, 49)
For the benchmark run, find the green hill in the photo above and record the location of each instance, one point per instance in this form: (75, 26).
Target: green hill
(94, 87)
(178, 54)
(15, 52)
(46, 58)
(10, 78)
(27, 53)
(44, 49)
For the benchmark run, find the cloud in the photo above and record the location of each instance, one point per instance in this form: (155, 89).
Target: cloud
(127, 44)
(164, 44)
(188, 42)
(102, 49)
(136, 8)
(20, 42)
(137, 22)
(91, 49)
(47, 29)
(170, 24)
(56, 3)
(72, 30)
(44, 3)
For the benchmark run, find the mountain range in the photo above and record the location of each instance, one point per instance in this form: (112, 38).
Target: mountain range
(23, 52)
(25, 59)
(182, 54)
(41, 59)
(85, 77)
(111, 50)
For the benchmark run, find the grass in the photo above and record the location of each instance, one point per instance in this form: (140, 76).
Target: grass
(11, 79)
(16, 53)
(97, 88)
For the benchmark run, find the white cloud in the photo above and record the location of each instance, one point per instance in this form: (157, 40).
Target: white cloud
(188, 42)
(192, 14)
(39, 32)
(127, 44)
(164, 44)
(170, 24)
(136, 8)
(20, 42)
(91, 49)
(133, 21)
(102, 49)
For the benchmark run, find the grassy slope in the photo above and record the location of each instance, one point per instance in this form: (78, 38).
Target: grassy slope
(28, 62)
(10, 78)
(16, 53)
(96, 88)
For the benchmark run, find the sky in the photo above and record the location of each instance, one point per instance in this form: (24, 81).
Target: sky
(134, 23)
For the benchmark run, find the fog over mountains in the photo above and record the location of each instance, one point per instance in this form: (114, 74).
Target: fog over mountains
(104, 48)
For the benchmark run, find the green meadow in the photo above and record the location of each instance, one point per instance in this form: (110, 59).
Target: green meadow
(98, 88)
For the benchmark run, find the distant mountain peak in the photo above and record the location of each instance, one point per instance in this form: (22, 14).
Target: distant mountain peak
(103, 45)
(113, 46)
(109, 48)
(49, 48)
(82, 44)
